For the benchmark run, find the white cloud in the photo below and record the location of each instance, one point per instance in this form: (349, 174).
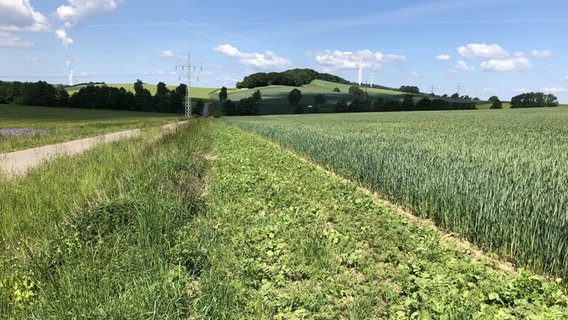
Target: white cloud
(565, 78)
(347, 60)
(555, 90)
(66, 41)
(20, 16)
(482, 51)
(534, 53)
(166, 54)
(461, 66)
(8, 40)
(495, 58)
(414, 74)
(443, 57)
(541, 54)
(514, 64)
(79, 10)
(268, 59)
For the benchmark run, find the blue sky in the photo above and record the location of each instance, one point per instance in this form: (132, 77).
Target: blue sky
(477, 47)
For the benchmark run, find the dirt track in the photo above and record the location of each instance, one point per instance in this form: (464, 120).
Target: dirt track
(19, 162)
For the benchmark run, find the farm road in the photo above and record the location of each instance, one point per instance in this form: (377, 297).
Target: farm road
(19, 162)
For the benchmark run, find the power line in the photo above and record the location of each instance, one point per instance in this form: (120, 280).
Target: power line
(432, 88)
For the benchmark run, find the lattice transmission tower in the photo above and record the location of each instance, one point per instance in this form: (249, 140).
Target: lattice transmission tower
(188, 67)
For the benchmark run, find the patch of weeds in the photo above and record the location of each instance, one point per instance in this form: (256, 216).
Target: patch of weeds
(106, 219)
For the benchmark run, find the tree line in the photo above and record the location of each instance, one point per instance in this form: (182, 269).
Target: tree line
(97, 96)
(409, 102)
(38, 93)
(534, 100)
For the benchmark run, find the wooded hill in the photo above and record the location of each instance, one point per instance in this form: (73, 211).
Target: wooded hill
(294, 78)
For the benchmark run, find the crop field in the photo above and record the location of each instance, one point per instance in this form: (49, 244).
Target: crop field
(23, 127)
(497, 177)
(211, 221)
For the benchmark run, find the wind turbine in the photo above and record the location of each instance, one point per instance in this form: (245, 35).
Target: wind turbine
(360, 67)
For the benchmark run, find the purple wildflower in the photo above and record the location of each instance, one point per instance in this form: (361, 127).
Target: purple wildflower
(16, 132)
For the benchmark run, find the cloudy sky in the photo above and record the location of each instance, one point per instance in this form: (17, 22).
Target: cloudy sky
(478, 48)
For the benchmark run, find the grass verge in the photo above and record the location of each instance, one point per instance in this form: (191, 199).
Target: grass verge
(97, 236)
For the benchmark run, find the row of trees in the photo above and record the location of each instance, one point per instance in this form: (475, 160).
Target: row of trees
(534, 100)
(408, 103)
(105, 97)
(97, 96)
(38, 93)
(294, 77)
(245, 107)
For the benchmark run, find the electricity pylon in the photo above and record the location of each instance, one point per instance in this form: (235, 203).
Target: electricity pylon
(188, 67)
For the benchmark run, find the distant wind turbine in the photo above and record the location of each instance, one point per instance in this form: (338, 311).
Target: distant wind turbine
(360, 67)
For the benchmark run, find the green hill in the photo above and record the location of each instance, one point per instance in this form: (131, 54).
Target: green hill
(274, 98)
(196, 92)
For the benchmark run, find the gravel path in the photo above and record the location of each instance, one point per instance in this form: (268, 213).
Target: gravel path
(19, 162)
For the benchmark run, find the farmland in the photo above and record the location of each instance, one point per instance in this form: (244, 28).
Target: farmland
(496, 177)
(213, 221)
(54, 125)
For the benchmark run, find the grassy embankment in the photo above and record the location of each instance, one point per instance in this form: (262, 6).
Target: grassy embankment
(66, 124)
(99, 235)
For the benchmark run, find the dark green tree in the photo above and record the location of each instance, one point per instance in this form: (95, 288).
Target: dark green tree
(319, 101)
(294, 97)
(229, 108)
(534, 99)
(61, 96)
(409, 89)
(358, 106)
(198, 107)
(257, 96)
(407, 103)
(143, 97)
(161, 98)
(223, 94)
(424, 104)
(354, 89)
(495, 102)
(247, 106)
(341, 106)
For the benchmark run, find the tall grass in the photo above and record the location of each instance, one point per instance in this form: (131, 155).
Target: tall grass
(100, 235)
(497, 177)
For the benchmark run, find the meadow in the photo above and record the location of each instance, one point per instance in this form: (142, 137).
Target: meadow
(183, 224)
(497, 178)
(54, 125)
